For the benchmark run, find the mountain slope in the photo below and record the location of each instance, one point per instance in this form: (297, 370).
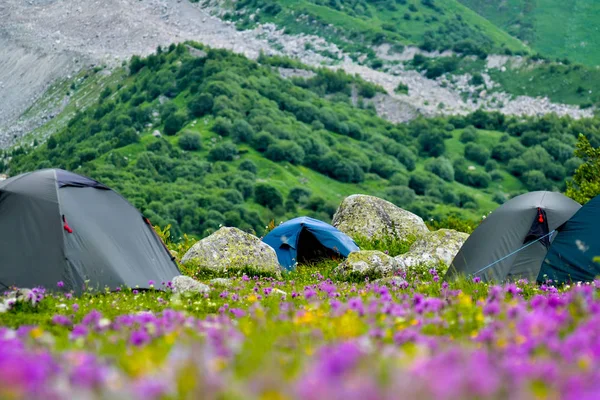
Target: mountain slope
(561, 29)
(241, 145)
(83, 33)
(355, 25)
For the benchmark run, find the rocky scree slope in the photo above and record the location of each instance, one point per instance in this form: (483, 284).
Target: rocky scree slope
(48, 40)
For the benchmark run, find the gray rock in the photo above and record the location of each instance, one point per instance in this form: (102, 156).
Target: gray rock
(436, 247)
(371, 217)
(232, 249)
(184, 284)
(367, 263)
(11, 298)
(221, 282)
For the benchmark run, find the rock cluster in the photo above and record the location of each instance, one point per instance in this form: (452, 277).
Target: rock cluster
(372, 218)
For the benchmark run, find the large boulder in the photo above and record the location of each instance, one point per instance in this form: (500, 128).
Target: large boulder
(230, 249)
(434, 248)
(367, 263)
(371, 217)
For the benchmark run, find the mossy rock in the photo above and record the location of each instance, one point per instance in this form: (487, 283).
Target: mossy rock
(361, 216)
(434, 248)
(370, 264)
(230, 250)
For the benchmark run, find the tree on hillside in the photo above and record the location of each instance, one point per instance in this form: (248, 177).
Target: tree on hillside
(267, 195)
(586, 181)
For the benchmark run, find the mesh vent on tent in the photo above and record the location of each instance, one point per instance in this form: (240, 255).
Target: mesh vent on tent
(539, 228)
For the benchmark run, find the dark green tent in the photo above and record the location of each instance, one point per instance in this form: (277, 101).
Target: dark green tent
(573, 254)
(59, 226)
(512, 242)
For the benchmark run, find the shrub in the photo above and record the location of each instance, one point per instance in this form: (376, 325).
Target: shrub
(384, 167)
(298, 194)
(174, 123)
(477, 79)
(190, 141)
(432, 143)
(401, 88)
(535, 180)
(400, 195)
(248, 165)
(201, 105)
(536, 158)
(267, 195)
(572, 164)
(518, 167)
(441, 167)
(499, 197)
(420, 181)
(406, 157)
(506, 151)
(262, 141)
(555, 171)
(285, 150)
(471, 177)
(477, 178)
(367, 90)
(223, 152)
(245, 187)
(476, 152)
(222, 126)
(469, 134)
(233, 196)
(242, 131)
(496, 175)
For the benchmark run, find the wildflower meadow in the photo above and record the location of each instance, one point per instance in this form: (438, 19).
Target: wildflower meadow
(306, 337)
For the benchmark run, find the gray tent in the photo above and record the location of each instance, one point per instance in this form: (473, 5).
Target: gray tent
(59, 226)
(512, 242)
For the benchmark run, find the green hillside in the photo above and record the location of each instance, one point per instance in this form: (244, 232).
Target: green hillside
(241, 146)
(357, 25)
(561, 29)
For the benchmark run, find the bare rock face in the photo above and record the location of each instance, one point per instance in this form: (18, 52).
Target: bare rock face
(230, 249)
(367, 263)
(371, 217)
(438, 247)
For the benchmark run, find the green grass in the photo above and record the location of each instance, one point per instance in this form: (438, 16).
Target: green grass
(567, 84)
(560, 29)
(354, 26)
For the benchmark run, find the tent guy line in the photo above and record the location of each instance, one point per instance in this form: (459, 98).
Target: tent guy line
(548, 235)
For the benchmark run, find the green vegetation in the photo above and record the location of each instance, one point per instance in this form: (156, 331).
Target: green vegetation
(586, 181)
(241, 146)
(554, 28)
(568, 84)
(356, 25)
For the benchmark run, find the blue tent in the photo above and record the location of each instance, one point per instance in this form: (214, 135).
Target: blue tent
(305, 239)
(577, 244)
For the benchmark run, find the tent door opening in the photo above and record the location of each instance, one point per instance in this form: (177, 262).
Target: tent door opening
(310, 250)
